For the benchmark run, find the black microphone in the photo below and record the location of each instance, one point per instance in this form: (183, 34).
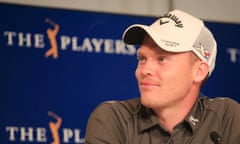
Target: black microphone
(215, 137)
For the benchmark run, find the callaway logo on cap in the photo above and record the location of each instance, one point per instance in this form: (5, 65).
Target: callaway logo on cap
(177, 31)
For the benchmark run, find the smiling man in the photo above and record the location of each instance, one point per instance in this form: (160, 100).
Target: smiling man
(177, 54)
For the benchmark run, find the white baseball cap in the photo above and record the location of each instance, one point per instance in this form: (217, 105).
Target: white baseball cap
(177, 31)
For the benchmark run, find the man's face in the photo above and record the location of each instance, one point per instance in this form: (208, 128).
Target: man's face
(164, 78)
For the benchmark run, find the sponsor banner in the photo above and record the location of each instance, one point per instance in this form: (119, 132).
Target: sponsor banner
(58, 65)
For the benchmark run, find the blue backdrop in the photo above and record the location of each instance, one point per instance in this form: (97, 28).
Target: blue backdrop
(93, 65)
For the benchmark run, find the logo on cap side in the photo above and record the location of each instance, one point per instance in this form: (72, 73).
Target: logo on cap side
(203, 51)
(173, 17)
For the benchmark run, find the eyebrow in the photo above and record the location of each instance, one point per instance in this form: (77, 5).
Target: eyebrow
(139, 52)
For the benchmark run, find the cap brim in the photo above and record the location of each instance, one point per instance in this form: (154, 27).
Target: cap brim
(136, 33)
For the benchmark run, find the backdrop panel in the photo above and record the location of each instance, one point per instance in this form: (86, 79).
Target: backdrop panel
(58, 65)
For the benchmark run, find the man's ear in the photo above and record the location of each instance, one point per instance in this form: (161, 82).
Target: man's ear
(202, 70)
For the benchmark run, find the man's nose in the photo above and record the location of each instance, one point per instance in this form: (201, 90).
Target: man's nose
(148, 68)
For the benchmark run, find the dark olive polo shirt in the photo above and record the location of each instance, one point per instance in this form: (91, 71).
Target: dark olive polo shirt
(128, 122)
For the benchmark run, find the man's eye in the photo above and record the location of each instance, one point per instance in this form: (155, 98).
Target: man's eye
(141, 58)
(161, 59)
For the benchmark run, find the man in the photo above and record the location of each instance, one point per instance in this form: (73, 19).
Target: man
(176, 55)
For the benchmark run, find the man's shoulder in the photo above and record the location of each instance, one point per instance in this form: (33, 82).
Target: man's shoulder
(221, 104)
(219, 100)
(130, 105)
(126, 108)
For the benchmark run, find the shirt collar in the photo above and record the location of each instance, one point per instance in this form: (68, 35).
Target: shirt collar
(148, 119)
(193, 119)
